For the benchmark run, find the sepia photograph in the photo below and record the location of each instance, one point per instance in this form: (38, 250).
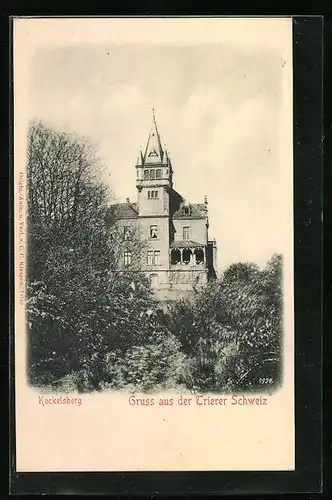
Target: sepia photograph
(155, 218)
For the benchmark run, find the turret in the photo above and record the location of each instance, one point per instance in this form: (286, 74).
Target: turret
(153, 166)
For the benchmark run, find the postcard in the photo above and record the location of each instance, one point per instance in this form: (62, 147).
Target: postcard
(153, 252)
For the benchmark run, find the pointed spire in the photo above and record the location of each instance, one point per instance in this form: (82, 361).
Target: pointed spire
(153, 151)
(166, 160)
(140, 158)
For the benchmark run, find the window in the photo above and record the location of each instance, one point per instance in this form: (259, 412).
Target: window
(152, 174)
(186, 255)
(150, 257)
(152, 194)
(156, 257)
(158, 173)
(153, 232)
(186, 210)
(175, 256)
(126, 233)
(146, 174)
(186, 232)
(153, 280)
(153, 258)
(127, 258)
(199, 255)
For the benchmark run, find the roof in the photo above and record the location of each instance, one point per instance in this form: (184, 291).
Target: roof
(130, 211)
(124, 210)
(197, 211)
(153, 152)
(186, 244)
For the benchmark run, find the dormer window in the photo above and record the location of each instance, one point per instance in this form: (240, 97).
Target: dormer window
(153, 153)
(186, 210)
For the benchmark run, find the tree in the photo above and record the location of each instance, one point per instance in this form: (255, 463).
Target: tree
(240, 272)
(79, 305)
(253, 309)
(232, 328)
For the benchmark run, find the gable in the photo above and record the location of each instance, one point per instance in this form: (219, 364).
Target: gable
(124, 211)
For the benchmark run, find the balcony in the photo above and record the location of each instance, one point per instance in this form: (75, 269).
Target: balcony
(187, 253)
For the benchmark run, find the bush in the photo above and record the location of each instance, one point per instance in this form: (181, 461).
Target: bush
(159, 365)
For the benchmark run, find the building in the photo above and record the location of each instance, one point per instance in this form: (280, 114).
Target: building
(177, 256)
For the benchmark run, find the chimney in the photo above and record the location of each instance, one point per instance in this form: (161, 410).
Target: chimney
(127, 200)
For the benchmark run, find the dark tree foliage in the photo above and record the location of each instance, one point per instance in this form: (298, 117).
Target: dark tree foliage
(92, 327)
(78, 306)
(232, 329)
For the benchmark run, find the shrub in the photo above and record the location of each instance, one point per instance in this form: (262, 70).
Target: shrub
(159, 365)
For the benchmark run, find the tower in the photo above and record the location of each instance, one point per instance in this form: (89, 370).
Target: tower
(154, 186)
(177, 256)
(153, 176)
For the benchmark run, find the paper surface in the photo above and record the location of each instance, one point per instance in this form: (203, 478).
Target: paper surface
(222, 93)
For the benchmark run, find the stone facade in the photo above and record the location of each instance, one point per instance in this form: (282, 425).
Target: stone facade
(177, 256)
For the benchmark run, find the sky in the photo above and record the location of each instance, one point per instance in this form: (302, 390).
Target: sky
(221, 110)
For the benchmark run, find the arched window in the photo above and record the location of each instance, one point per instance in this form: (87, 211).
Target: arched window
(153, 280)
(158, 173)
(146, 174)
(186, 255)
(175, 256)
(199, 254)
(152, 174)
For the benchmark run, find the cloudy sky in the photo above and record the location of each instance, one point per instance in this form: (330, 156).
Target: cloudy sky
(221, 108)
